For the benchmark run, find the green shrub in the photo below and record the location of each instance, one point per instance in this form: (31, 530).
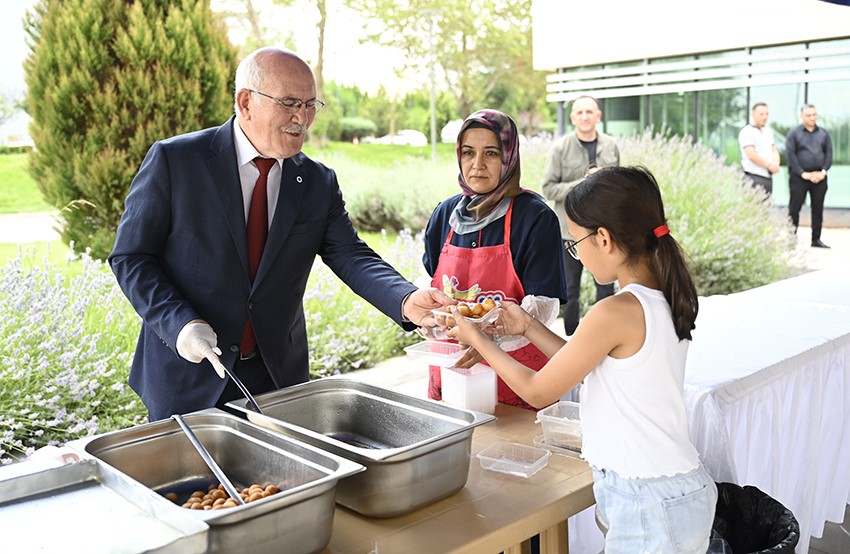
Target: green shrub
(400, 195)
(386, 190)
(356, 127)
(735, 239)
(15, 149)
(106, 79)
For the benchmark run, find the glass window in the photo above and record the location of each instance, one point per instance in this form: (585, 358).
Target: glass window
(672, 113)
(830, 98)
(621, 116)
(720, 113)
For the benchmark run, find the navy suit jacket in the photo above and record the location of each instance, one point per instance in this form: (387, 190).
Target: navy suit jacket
(181, 254)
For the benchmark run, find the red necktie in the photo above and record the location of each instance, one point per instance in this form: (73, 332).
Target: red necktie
(258, 230)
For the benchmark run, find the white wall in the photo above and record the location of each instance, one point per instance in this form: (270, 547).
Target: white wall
(568, 33)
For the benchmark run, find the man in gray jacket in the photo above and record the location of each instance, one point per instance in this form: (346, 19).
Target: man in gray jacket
(571, 159)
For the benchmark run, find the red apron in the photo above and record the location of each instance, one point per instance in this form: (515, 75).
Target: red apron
(472, 275)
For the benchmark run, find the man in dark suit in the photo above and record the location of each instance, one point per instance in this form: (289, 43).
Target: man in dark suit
(181, 253)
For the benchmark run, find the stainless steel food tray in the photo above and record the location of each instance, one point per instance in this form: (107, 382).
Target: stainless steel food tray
(87, 507)
(160, 457)
(416, 451)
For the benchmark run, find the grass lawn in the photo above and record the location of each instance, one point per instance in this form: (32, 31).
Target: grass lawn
(379, 155)
(18, 192)
(55, 252)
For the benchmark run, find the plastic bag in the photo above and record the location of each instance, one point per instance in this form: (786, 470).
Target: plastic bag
(751, 521)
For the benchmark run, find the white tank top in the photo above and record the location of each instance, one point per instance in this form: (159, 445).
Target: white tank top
(632, 410)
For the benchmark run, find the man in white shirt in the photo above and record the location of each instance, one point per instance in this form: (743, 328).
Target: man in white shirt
(759, 156)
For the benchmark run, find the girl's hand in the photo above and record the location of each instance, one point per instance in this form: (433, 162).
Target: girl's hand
(513, 320)
(463, 331)
(469, 359)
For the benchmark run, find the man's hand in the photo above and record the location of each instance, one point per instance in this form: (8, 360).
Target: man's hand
(813, 177)
(197, 341)
(418, 305)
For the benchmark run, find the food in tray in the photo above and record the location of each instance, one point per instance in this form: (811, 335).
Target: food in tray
(475, 312)
(216, 498)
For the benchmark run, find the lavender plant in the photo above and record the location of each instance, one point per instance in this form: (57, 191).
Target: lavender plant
(67, 340)
(345, 331)
(734, 237)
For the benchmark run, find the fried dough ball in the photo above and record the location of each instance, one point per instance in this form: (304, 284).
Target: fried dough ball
(475, 310)
(216, 498)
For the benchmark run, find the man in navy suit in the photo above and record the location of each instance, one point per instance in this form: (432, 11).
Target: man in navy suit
(181, 252)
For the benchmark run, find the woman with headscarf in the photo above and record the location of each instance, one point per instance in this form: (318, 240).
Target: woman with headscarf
(495, 239)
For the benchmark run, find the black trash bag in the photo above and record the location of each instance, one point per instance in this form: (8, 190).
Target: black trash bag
(752, 522)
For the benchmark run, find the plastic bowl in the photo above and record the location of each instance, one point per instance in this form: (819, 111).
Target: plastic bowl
(434, 352)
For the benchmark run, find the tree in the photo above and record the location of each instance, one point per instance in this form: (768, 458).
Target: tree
(243, 17)
(7, 108)
(476, 45)
(106, 79)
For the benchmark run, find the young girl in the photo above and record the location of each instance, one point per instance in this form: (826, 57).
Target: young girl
(630, 351)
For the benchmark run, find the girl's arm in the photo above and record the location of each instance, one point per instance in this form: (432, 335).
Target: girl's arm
(600, 332)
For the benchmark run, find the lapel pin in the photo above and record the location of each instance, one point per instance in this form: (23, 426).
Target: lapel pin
(298, 178)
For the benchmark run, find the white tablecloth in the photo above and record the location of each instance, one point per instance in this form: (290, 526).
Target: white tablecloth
(767, 388)
(827, 286)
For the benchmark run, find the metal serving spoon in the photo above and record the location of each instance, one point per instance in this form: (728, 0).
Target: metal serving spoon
(243, 389)
(228, 486)
(221, 369)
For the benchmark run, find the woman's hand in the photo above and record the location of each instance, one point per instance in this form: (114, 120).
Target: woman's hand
(513, 320)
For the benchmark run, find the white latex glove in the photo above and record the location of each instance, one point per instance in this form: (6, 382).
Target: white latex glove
(197, 341)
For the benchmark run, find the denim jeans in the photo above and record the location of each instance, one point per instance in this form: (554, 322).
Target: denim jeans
(659, 515)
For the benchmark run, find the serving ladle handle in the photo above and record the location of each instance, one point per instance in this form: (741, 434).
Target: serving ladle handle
(222, 478)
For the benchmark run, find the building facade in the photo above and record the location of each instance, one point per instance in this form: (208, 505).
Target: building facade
(651, 65)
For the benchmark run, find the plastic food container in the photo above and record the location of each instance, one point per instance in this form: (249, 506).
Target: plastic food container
(540, 443)
(434, 352)
(441, 316)
(514, 459)
(561, 425)
(472, 388)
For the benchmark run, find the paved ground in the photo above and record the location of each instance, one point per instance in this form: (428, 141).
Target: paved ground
(26, 228)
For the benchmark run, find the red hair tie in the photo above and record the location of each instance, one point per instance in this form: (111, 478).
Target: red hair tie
(661, 230)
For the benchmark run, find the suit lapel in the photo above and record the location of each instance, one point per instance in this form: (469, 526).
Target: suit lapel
(226, 184)
(292, 187)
